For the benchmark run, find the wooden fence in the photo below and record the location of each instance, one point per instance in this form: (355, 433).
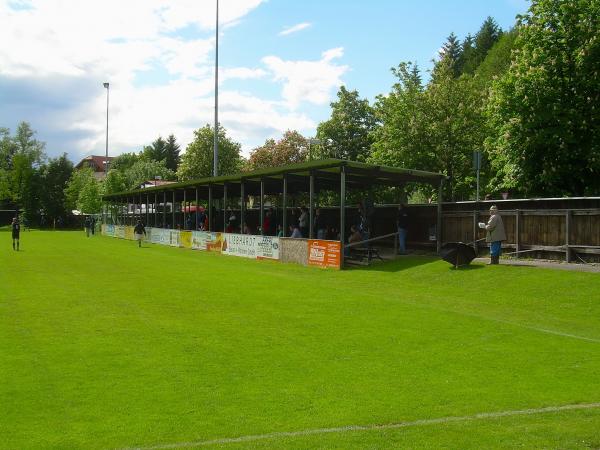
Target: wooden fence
(566, 231)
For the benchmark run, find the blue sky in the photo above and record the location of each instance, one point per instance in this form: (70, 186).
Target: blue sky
(159, 58)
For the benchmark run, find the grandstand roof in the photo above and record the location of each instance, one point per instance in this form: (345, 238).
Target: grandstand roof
(326, 177)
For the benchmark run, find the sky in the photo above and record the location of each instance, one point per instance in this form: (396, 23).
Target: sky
(281, 63)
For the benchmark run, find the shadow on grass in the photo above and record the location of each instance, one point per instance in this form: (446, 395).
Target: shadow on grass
(395, 265)
(469, 267)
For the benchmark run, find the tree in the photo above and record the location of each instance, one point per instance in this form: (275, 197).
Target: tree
(197, 161)
(115, 181)
(76, 185)
(484, 40)
(451, 55)
(161, 150)
(544, 111)
(144, 170)
(347, 134)
(54, 178)
(433, 128)
(155, 151)
(124, 161)
(27, 154)
(496, 63)
(290, 149)
(401, 139)
(455, 129)
(467, 54)
(89, 200)
(172, 153)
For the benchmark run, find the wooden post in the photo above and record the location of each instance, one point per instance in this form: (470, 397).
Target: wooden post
(475, 227)
(438, 231)
(568, 235)
(517, 232)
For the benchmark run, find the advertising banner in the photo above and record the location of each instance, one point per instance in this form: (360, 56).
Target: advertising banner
(247, 246)
(120, 231)
(174, 238)
(159, 236)
(324, 253)
(215, 243)
(185, 239)
(129, 233)
(108, 230)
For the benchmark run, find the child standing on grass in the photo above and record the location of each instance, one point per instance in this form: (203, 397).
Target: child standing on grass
(139, 232)
(16, 230)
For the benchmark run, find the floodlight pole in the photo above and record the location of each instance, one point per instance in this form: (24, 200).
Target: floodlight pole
(216, 137)
(107, 86)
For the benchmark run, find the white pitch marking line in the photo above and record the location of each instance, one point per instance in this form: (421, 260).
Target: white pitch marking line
(391, 426)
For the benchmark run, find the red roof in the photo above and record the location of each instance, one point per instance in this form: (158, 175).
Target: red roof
(95, 162)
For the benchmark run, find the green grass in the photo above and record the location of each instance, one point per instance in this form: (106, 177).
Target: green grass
(104, 345)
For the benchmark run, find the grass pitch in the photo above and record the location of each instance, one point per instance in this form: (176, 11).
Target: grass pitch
(104, 345)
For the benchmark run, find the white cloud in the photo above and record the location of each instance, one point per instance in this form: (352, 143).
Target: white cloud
(66, 49)
(295, 28)
(310, 81)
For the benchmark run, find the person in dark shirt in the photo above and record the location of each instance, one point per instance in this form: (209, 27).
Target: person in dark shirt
(139, 232)
(16, 231)
(402, 222)
(88, 226)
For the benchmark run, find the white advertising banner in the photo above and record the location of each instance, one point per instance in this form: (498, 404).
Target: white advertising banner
(156, 235)
(248, 246)
(200, 239)
(120, 231)
(174, 238)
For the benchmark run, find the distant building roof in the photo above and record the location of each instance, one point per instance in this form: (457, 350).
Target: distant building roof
(152, 183)
(97, 163)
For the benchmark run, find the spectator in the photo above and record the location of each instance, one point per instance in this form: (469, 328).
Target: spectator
(402, 223)
(231, 226)
(495, 234)
(355, 235)
(266, 225)
(303, 221)
(295, 232)
(273, 222)
(189, 222)
(279, 231)
(93, 220)
(320, 224)
(87, 224)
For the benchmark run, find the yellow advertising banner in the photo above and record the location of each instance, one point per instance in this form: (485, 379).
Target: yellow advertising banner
(129, 233)
(185, 239)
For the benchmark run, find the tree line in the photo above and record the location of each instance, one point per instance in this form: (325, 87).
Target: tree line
(526, 98)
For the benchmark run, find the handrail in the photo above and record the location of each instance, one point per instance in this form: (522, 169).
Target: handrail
(355, 244)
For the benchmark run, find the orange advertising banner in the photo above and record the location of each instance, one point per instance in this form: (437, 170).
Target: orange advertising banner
(324, 253)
